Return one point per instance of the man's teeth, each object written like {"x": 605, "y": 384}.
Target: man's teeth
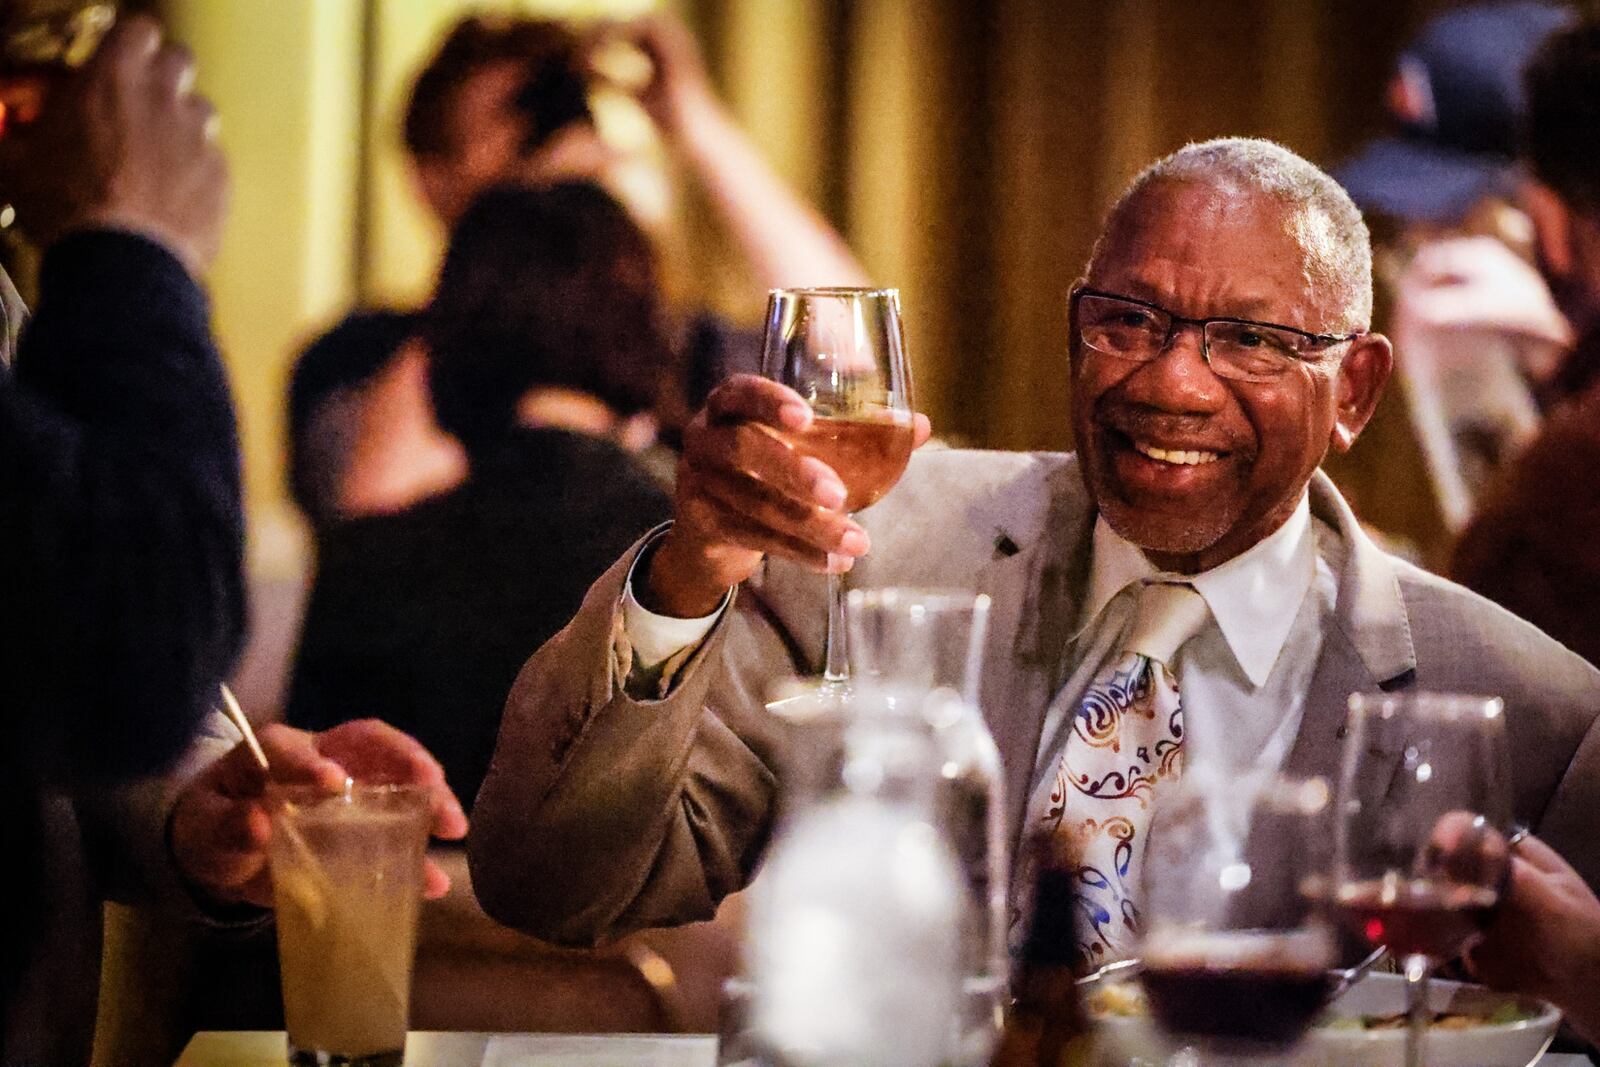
{"x": 1187, "y": 459}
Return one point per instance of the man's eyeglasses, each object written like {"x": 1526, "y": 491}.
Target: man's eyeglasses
{"x": 1138, "y": 331}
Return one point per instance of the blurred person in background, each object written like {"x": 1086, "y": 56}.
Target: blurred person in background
{"x": 121, "y": 539}
{"x": 1476, "y": 331}
{"x": 508, "y": 99}
{"x": 546, "y": 347}
{"x": 121, "y": 534}
{"x": 1534, "y": 543}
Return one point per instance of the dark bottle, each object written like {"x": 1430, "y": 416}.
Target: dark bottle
{"x": 1046, "y": 1014}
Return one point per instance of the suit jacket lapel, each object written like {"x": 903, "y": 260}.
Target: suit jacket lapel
{"x": 1037, "y": 591}
{"x": 1366, "y": 648}
{"x": 1370, "y": 610}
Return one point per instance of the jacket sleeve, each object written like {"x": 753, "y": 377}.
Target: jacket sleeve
{"x": 1568, "y": 822}
{"x": 121, "y": 532}
{"x": 602, "y": 814}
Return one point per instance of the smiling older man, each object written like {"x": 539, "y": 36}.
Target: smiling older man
{"x": 1219, "y": 348}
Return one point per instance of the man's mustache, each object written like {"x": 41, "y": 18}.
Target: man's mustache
{"x": 1190, "y": 431}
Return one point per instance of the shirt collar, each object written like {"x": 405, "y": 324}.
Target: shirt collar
{"x": 1254, "y": 597}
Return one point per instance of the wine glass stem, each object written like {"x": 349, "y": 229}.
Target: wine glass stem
{"x": 1418, "y": 1013}
{"x": 836, "y": 661}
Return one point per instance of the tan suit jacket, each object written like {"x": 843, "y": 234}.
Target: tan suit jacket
{"x": 602, "y": 814}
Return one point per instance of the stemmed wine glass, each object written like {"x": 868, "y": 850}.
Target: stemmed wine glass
{"x": 843, "y": 350}
{"x": 1235, "y": 957}
{"x": 1421, "y": 842}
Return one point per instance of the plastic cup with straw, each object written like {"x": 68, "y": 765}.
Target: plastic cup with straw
{"x": 346, "y": 872}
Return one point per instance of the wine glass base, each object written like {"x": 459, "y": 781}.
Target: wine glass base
{"x": 804, "y": 699}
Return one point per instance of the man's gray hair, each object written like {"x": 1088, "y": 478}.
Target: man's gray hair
{"x": 1322, "y": 217}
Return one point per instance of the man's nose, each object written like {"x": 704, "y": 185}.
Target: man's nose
{"x": 1179, "y": 379}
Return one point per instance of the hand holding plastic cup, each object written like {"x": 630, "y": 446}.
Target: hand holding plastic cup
{"x": 347, "y": 881}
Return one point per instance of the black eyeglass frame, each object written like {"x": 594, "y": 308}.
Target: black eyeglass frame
{"x": 1324, "y": 340}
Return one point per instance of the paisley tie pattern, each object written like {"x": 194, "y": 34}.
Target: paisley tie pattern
{"x": 1124, "y": 748}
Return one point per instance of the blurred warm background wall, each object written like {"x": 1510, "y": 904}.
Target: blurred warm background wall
{"x": 966, "y": 150}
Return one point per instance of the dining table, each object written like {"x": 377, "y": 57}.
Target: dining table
{"x": 437, "y": 1048}
{"x": 267, "y": 1048}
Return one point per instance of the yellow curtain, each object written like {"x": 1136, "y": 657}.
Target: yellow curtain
{"x": 968, "y": 150}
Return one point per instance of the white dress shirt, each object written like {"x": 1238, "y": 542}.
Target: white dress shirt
{"x": 657, "y": 638}
{"x": 1243, "y": 698}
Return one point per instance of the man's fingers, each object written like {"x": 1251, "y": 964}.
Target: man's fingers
{"x": 921, "y": 429}
{"x": 1540, "y": 856}
{"x": 735, "y": 525}
{"x": 373, "y": 751}
{"x": 756, "y": 451}
{"x": 131, "y": 42}
{"x": 736, "y": 504}
{"x": 435, "y": 883}
{"x": 294, "y": 759}
{"x": 172, "y": 73}
{"x": 746, "y": 396}
{"x": 243, "y": 829}
{"x": 237, "y": 773}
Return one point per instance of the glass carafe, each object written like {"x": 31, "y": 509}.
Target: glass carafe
{"x": 920, "y": 652}
{"x": 854, "y": 933}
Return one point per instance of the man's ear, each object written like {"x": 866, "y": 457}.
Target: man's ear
{"x": 1362, "y": 377}
{"x": 1072, "y": 324}
{"x": 1552, "y": 226}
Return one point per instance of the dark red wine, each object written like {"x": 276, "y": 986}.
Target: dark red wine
{"x": 1416, "y": 917}
{"x": 1250, "y": 989}
{"x": 1254, "y": 1004}
{"x": 869, "y": 455}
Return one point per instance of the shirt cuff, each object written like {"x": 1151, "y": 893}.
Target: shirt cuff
{"x": 657, "y": 638}
{"x": 650, "y": 649}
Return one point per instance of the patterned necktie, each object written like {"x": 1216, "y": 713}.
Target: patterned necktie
{"x": 1125, "y": 746}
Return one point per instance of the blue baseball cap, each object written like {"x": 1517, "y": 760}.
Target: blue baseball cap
{"x": 1458, "y": 96}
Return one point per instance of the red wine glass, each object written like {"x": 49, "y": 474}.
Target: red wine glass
{"x": 1421, "y": 851}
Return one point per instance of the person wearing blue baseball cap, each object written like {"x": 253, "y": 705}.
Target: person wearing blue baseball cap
{"x": 1477, "y": 334}
{"x": 1458, "y": 99}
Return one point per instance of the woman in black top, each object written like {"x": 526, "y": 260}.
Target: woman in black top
{"x": 546, "y": 351}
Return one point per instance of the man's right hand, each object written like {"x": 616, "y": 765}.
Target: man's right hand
{"x": 122, "y": 144}
{"x": 744, "y": 493}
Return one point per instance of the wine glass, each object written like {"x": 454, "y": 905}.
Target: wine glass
{"x": 842, "y": 349}
{"x": 1236, "y": 957}
{"x": 1421, "y": 850}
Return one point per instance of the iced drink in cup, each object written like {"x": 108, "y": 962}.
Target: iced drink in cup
{"x": 347, "y": 878}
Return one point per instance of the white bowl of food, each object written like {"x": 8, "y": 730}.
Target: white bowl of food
{"x": 1473, "y": 1027}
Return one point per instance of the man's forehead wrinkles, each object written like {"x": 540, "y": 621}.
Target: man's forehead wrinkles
{"x": 1195, "y": 292}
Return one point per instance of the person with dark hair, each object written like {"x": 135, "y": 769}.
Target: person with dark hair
{"x": 506, "y": 99}
{"x": 121, "y": 547}
{"x": 501, "y": 95}
{"x": 1563, "y": 84}
{"x": 121, "y": 532}
{"x": 545, "y": 345}
{"x": 1534, "y": 543}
